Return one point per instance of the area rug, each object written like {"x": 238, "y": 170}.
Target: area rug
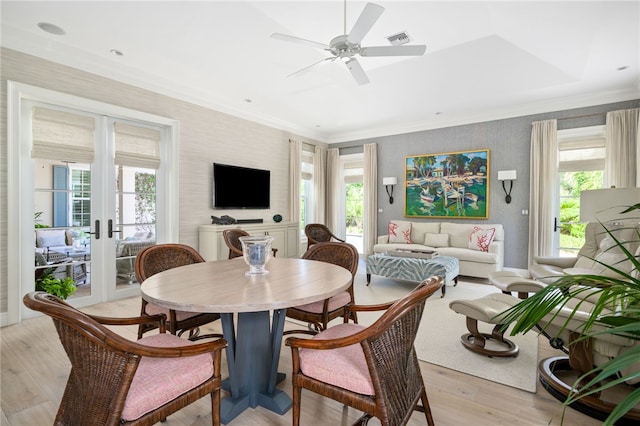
{"x": 438, "y": 340}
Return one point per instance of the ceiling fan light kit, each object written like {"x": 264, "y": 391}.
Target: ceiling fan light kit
{"x": 345, "y": 47}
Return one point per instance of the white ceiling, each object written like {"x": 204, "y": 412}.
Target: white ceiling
{"x": 484, "y": 60}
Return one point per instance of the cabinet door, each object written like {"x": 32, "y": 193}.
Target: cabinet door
{"x": 279, "y": 241}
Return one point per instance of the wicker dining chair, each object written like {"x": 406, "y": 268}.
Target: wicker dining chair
{"x": 372, "y": 369}
{"x": 116, "y": 381}
{"x": 232, "y": 240}
{"x": 318, "y": 314}
{"x": 158, "y": 258}
{"x": 318, "y": 233}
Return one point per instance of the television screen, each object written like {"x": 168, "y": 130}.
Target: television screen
{"x": 240, "y": 187}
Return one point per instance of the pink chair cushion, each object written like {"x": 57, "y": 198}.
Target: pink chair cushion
{"x": 343, "y": 367}
{"x": 160, "y": 380}
{"x": 335, "y": 302}
{"x": 153, "y": 309}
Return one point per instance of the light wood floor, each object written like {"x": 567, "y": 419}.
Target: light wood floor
{"x": 34, "y": 372}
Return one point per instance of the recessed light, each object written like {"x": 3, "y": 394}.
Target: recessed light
{"x": 439, "y": 112}
{"x": 622, "y": 68}
{"x": 117, "y": 52}
{"x": 51, "y": 28}
{"x": 247, "y": 100}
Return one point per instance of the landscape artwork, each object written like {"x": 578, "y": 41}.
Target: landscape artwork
{"x": 448, "y": 185}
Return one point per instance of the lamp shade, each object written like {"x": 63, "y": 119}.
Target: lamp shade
{"x": 605, "y": 205}
{"x": 390, "y": 181}
{"x": 507, "y": 175}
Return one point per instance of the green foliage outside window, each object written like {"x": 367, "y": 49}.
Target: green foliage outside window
{"x": 354, "y": 208}
{"x": 571, "y": 184}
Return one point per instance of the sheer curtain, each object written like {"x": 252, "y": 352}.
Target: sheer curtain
{"x": 622, "y": 149}
{"x": 544, "y": 188}
{"x": 370, "y": 213}
{"x": 295, "y": 174}
{"x": 333, "y": 188}
{"x": 319, "y": 182}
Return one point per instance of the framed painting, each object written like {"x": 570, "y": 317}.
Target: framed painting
{"x": 448, "y": 185}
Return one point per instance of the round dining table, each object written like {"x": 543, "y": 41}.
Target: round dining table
{"x": 260, "y": 302}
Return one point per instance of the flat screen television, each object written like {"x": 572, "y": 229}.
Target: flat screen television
{"x": 237, "y": 187}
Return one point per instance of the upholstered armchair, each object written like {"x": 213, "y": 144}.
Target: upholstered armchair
{"x": 599, "y": 249}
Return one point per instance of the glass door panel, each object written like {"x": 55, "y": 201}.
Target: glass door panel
{"x": 62, "y": 203}
{"x": 135, "y": 219}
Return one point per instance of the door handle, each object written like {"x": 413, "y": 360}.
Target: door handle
{"x": 97, "y": 232}
{"x": 556, "y": 225}
{"x": 110, "y": 230}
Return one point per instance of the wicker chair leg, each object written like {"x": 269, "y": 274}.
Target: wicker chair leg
{"x": 425, "y": 407}
{"x": 363, "y": 420}
{"x": 297, "y": 394}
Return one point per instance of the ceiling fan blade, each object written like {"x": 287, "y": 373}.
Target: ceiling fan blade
{"x": 299, "y": 40}
{"x": 415, "y": 50}
{"x": 307, "y": 68}
{"x": 357, "y": 72}
{"x": 365, "y": 21}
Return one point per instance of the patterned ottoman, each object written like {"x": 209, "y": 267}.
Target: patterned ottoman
{"x": 413, "y": 269}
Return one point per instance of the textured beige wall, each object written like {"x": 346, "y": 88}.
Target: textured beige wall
{"x": 205, "y": 136}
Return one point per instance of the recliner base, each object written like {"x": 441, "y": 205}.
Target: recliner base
{"x": 590, "y": 405}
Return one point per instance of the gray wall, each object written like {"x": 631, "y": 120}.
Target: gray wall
{"x": 508, "y": 141}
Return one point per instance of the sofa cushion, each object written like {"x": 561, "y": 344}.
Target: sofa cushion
{"x": 418, "y": 229}
{"x": 50, "y": 237}
{"x": 480, "y": 239}
{"x": 466, "y": 255}
{"x": 400, "y": 231}
{"x": 459, "y": 232}
{"x": 436, "y": 240}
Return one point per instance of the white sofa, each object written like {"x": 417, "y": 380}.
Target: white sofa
{"x": 452, "y": 239}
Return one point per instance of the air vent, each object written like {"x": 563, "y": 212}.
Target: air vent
{"x": 398, "y": 39}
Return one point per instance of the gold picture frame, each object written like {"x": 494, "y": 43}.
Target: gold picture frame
{"x": 447, "y": 185}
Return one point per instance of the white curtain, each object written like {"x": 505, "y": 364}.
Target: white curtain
{"x": 370, "y": 197}
{"x": 623, "y": 149}
{"x": 543, "y": 194}
{"x": 333, "y": 188}
{"x": 295, "y": 174}
{"x": 319, "y": 182}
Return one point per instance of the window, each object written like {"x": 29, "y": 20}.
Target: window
{"x": 306, "y": 189}
{"x": 581, "y": 166}
{"x": 80, "y": 197}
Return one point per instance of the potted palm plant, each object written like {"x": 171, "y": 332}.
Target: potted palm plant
{"x": 620, "y": 289}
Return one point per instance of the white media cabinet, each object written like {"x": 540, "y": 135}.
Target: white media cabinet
{"x": 286, "y": 238}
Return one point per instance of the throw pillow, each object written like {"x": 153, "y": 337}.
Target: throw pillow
{"x": 480, "y": 239}
{"x": 400, "y": 232}
{"x": 50, "y": 238}
{"x": 436, "y": 240}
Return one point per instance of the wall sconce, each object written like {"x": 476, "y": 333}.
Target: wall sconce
{"x": 390, "y": 182}
{"x": 509, "y": 175}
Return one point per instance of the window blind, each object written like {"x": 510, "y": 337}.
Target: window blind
{"x": 137, "y": 146}
{"x": 61, "y": 135}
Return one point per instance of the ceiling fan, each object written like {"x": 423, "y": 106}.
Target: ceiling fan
{"x": 347, "y": 46}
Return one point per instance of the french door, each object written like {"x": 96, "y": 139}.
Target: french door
{"x": 88, "y": 207}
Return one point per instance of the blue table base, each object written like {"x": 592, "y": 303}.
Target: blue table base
{"x": 253, "y": 353}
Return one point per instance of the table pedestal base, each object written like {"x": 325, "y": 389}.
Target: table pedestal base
{"x": 253, "y": 353}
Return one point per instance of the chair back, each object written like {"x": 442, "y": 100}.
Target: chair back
{"x": 318, "y": 233}
{"x": 341, "y": 254}
{"x": 160, "y": 257}
{"x": 391, "y": 357}
{"x": 232, "y": 240}
{"x": 101, "y": 370}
